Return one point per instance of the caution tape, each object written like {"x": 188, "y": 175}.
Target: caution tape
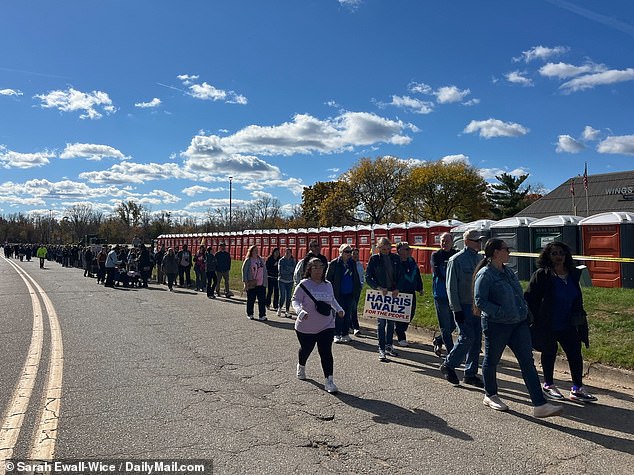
{"x": 625, "y": 260}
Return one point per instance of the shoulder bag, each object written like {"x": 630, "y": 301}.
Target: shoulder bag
{"x": 322, "y": 307}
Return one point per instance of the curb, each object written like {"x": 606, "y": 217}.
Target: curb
{"x": 594, "y": 372}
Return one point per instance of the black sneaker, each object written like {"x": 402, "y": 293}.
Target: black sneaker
{"x": 450, "y": 374}
{"x": 437, "y": 343}
{"x": 581, "y": 395}
{"x": 390, "y": 351}
{"x": 473, "y": 381}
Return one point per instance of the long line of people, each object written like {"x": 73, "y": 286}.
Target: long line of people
{"x": 478, "y": 295}
{"x": 475, "y": 294}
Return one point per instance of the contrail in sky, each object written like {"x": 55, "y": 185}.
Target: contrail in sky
{"x": 597, "y": 17}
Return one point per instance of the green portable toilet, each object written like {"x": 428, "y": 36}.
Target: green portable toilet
{"x": 515, "y": 232}
{"x": 563, "y": 228}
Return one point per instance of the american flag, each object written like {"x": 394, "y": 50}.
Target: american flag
{"x": 572, "y": 186}
{"x": 585, "y": 177}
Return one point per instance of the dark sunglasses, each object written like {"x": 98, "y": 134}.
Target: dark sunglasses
{"x": 347, "y": 252}
{"x": 557, "y": 253}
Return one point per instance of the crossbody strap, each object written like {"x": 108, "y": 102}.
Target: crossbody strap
{"x": 308, "y": 293}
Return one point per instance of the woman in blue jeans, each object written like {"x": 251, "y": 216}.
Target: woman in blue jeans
{"x": 498, "y": 297}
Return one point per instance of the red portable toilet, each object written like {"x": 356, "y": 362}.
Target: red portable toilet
{"x": 274, "y": 240}
{"x": 336, "y": 240}
{"x": 364, "y": 235}
{"x": 417, "y": 237}
{"x": 312, "y": 235}
{"x": 266, "y": 248}
{"x": 380, "y": 231}
{"x": 349, "y": 234}
{"x": 609, "y": 235}
{"x": 302, "y": 242}
{"x": 323, "y": 238}
{"x": 282, "y": 240}
{"x": 397, "y": 232}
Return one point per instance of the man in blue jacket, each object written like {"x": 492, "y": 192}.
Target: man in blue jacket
{"x": 439, "y": 261}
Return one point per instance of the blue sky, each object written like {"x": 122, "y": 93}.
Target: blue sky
{"x": 160, "y": 101}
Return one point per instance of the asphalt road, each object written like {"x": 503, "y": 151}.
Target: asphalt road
{"x": 153, "y": 374}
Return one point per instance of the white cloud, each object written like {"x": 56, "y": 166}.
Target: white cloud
{"x": 91, "y": 152}
{"x": 130, "y": 172}
{"x": 491, "y": 173}
{"x": 155, "y": 102}
{"x": 598, "y": 79}
{"x": 495, "y": 128}
{"x": 541, "y": 53}
{"x": 10, "y": 92}
{"x": 455, "y": 159}
{"x": 305, "y": 134}
{"x": 590, "y": 133}
{"x": 471, "y": 102}
{"x": 73, "y": 100}
{"x": 566, "y": 143}
{"x": 187, "y": 79}
{"x": 516, "y": 77}
{"x": 618, "y": 144}
{"x": 11, "y": 159}
{"x": 449, "y": 94}
{"x": 414, "y": 105}
{"x": 352, "y": 4}
{"x": 565, "y": 70}
{"x": 197, "y": 189}
{"x": 208, "y": 92}
{"x": 420, "y": 88}
{"x": 216, "y": 203}
{"x": 258, "y": 195}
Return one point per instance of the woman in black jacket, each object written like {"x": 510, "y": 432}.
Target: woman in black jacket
{"x": 556, "y": 303}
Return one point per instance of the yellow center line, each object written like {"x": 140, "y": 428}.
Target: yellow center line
{"x": 45, "y": 438}
{"x": 16, "y": 410}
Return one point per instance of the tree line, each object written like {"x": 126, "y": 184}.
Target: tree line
{"x": 373, "y": 191}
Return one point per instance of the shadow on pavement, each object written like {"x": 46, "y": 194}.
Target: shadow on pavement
{"x": 607, "y": 441}
{"x": 388, "y": 413}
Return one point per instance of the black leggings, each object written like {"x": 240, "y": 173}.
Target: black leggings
{"x": 324, "y": 347}
{"x": 570, "y": 343}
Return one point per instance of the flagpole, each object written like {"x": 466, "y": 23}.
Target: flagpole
{"x": 585, "y": 186}
{"x": 572, "y": 193}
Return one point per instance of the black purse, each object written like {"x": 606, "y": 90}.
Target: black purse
{"x": 322, "y": 307}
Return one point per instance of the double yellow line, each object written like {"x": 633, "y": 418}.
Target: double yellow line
{"x": 44, "y": 436}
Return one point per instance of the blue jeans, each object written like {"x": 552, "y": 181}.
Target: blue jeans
{"x": 517, "y": 337}
{"x": 286, "y": 292}
{"x": 342, "y": 325}
{"x": 354, "y": 317}
{"x": 401, "y": 327}
{"x": 385, "y": 337}
{"x": 445, "y": 322}
{"x": 468, "y": 344}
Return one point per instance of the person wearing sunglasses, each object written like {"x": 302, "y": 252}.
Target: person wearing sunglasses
{"x": 498, "y": 297}
{"x": 556, "y": 303}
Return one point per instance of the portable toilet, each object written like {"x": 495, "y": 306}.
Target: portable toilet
{"x": 349, "y": 234}
{"x": 265, "y": 247}
{"x": 380, "y": 231}
{"x": 397, "y": 232}
{"x": 563, "y": 228}
{"x": 481, "y": 225}
{"x": 336, "y": 240}
{"x": 417, "y": 237}
{"x": 291, "y": 239}
{"x": 302, "y": 242}
{"x": 364, "y": 235}
{"x": 609, "y": 235}
{"x": 516, "y": 233}
{"x": 282, "y": 240}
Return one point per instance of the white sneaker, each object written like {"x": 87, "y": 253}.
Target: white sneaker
{"x": 346, "y": 339}
{"x": 494, "y": 402}
{"x": 547, "y": 410}
{"x": 330, "y": 385}
{"x": 337, "y": 339}
{"x": 403, "y": 343}
{"x": 279, "y": 312}
{"x": 263, "y": 319}
{"x": 356, "y": 332}
{"x": 250, "y": 317}
{"x": 301, "y": 372}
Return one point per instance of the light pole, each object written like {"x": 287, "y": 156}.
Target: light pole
{"x": 230, "y": 193}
